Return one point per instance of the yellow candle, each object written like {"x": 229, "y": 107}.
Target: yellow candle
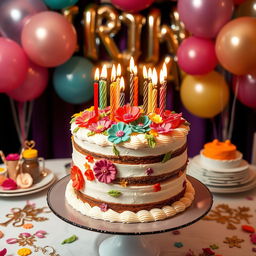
{"x": 154, "y": 91}
{"x": 113, "y": 93}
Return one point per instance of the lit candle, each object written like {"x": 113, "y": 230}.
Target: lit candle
{"x": 150, "y": 89}
{"x": 145, "y": 89}
{"x": 103, "y": 87}
{"x": 122, "y": 93}
{"x": 136, "y": 87}
{"x": 131, "y": 81}
{"x": 118, "y": 77}
{"x": 113, "y": 92}
{"x": 96, "y": 91}
{"x": 154, "y": 91}
{"x": 163, "y": 88}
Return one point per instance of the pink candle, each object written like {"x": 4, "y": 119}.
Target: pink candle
{"x": 96, "y": 91}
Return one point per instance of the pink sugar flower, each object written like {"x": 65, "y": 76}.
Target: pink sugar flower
{"x": 100, "y": 126}
{"x": 9, "y": 184}
{"x": 105, "y": 171}
{"x": 162, "y": 128}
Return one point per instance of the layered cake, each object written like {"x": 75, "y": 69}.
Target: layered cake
{"x": 222, "y": 168}
{"x": 129, "y": 166}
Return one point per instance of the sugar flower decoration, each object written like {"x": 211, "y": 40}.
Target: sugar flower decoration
{"x": 3, "y": 252}
{"x": 141, "y": 125}
{"x": 77, "y": 178}
{"x": 155, "y": 118}
{"x": 9, "y": 184}
{"x": 127, "y": 113}
{"x": 118, "y": 133}
{"x": 24, "y": 252}
{"x": 149, "y": 171}
{"x": 100, "y": 126}
{"x": 105, "y": 171}
{"x": 87, "y": 118}
{"x": 157, "y": 187}
{"x": 12, "y": 157}
{"x": 89, "y": 175}
{"x": 103, "y": 207}
{"x": 162, "y": 128}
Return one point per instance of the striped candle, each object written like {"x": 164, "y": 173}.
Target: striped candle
{"x": 154, "y": 91}
{"x": 145, "y": 89}
{"x": 103, "y": 88}
{"x": 131, "y": 81}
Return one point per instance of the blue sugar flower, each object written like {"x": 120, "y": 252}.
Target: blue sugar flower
{"x": 118, "y": 133}
{"x": 141, "y": 125}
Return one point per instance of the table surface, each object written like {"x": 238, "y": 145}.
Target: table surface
{"x": 202, "y": 234}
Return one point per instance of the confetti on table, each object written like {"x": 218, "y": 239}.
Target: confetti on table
{"x": 225, "y": 215}
{"x": 253, "y": 238}
{"x": 233, "y": 241}
{"x": 190, "y": 253}
{"x": 3, "y": 252}
{"x": 70, "y": 240}
{"x": 28, "y": 226}
{"x": 249, "y": 198}
{"x": 176, "y": 232}
{"x": 24, "y": 252}
{"x": 178, "y": 244}
{"x": 214, "y": 246}
{"x": 248, "y": 228}
{"x": 1, "y": 234}
{"x": 254, "y": 249}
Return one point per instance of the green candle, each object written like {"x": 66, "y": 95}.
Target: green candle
{"x": 103, "y": 88}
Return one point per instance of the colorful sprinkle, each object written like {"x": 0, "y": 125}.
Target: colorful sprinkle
{"x": 24, "y": 252}
{"x": 208, "y": 251}
{"x": 3, "y": 252}
{"x": 28, "y": 226}
{"x": 90, "y": 159}
{"x": 157, "y": 187}
{"x": 178, "y": 244}
{"x": 25, "y": 234}
{"x": 103, "y": 207}
{"x": 40, "y": 234}
{"x": 11, "y": 241}
{"x": 253, "y": 238}
{"x": 149, "y": 171}
{"x": 89, "y": 175}
{"x": 248, "y": 228}
{"x": 70, "y": 240}
{"x": 249, "y": 198}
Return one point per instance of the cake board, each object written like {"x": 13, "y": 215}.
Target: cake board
{"x": 127, "y": 239}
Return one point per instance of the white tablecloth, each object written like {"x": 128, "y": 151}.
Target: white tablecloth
{"x": 195, "y": 237}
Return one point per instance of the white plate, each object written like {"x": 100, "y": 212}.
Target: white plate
{"x": 34, "y": 188}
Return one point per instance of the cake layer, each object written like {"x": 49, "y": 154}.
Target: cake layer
{"x": 129, "y": 216}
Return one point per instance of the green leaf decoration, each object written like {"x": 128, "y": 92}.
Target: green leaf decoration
{"x": 115, "y": 150}
{"x": 151, "y": 140}
{"x": 70, "y": 240}
{"x": 105, "y": 133}
{"x": 167, "y": 157}
{"x": 91, "y": 133}
{"x": 72, "y": 120}
{"x": 173, "y": 112}
{"x": 76, "y": 129}
{"x": 114, "y": 193}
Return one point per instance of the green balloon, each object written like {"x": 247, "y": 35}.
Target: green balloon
{"x": 73, "y": 81}
{"x": 59, "y": 4}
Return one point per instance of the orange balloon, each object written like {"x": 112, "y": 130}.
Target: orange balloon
{"x": 205, "y": 96}
{"x": 236, "y": 46}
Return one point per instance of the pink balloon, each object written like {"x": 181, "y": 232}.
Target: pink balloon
{"x": 49, "y": 39}
{"x": 13, "y": 65}
{"x": 246, "y": 86}
{"x": 204, "y": 18}
{"x": 34, "y": 85}
{"x": 131, "y": 5}
{"x": 196, "y": 56}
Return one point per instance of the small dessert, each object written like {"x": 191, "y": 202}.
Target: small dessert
{"x": 24, "y": 180}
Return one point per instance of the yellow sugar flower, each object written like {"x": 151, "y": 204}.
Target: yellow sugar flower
{"x": 155, "y": 118}
{"x": 77, "y": 114}
{"x": 90, "y": 109}
{"x": 153, "y": 132}
{"x": 24, "y": 252}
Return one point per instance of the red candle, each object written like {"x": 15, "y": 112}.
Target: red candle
{"x": 136, "y": 87}
{"x": 96, "y": 91}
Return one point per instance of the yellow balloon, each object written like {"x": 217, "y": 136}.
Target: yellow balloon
{"x": 205, "y": 96}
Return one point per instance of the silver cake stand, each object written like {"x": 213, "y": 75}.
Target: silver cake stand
{"x": 128, "y": 239}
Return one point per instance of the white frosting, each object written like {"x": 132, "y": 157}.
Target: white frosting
{"x": 128, "y": 216}
{"x": 133, "y": 194}
{"x": 138, "y": 170}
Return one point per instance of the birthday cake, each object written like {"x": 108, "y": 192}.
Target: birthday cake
{"x": 129, "y": 166}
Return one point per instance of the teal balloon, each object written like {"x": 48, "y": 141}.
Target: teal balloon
{"x": 73, "y": 81}
{"x": 59, "y": 4}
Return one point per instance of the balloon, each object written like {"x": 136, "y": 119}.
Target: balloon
{"x": 246, "y": 9}
{"x": 196, "y": 56}
{"x": 246, "y": 89}
{"x": 73, "y": 80}
{"x": 204, "y": 18}
{"x": 34, "y": 85}
{"x": 15, "y": 13}
{"x": 236, "y": 46}
{"x": 13, "y": 65}
{"x": 204, "y": 96}
{"x": 60, "y": 4}
{"x": 49, "y": 39}
{"x": 132, "y": 5}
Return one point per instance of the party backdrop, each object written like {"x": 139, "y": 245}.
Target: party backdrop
{"x": 49, "y": 50}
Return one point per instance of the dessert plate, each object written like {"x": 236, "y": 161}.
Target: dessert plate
{"x": 44, "y": 183}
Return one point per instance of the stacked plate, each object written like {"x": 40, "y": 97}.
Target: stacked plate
{"x": 46, "y": 180}
{"x": 221, "y": 180}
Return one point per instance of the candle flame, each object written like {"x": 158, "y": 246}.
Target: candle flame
{"x": 161, "y": 76}
{"x": 97, "y": 74}
{"x": 118, "y": 72}
{"x": 122, "y": 84}
{"x": 113, "y": 73}
{"x": 150, "y": 73}
{"x": 104, "y": 72}
{"x": 131, "y": 64}
{"x": 135, "y": 70}
{"x": 145, "y": 73}
{"x": 164, "y": 71}
{"x": 154, "y": 77}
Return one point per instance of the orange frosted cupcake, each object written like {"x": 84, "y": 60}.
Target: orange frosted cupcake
{"x": 221, "y": 154}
